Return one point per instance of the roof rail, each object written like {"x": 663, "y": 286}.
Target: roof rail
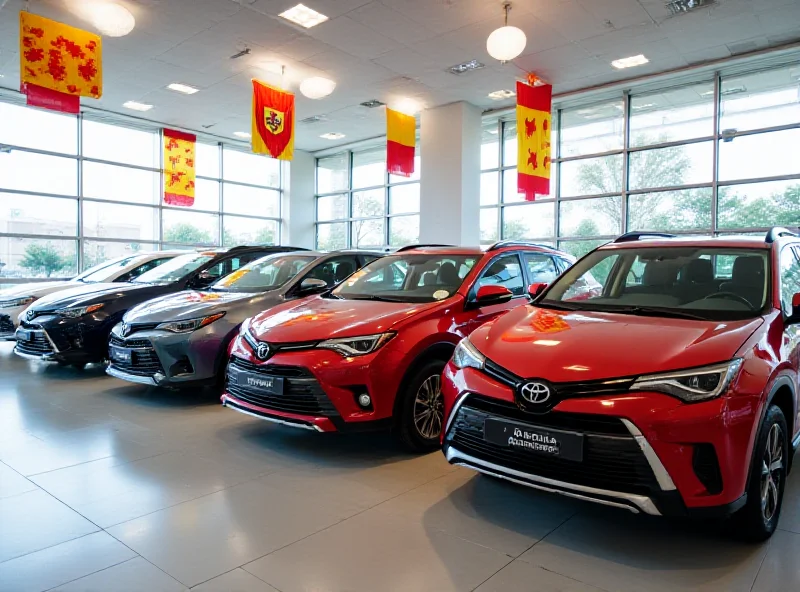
{"x": 517, "y": 243}
{"x": 411, "y": 247}
{"x": 636, "y": 235}
{"x": 776, "y": 232}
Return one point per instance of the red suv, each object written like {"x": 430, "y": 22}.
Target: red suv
{"x": 657, "y": 374}
{"x": 370, "y": 353}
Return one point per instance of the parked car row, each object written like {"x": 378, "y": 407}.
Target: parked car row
{"x": 656, "y": 374}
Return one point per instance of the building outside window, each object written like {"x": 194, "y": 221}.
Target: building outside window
{"x": 705, "y": 157}
{"x": 359, "y": 205}
{"x": 76, "y": 191}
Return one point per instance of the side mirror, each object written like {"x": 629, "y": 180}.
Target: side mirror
{"x": 794, "y": 317}
{"x": 488, "y": 295}
{"x": 535, "y": 289}
{"x": 202, "y": 280}
{"x": 312, "y": 286}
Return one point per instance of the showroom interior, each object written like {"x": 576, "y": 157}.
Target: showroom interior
{"x": 677, "y": 121}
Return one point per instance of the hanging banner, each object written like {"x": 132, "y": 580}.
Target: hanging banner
{"x": 58, "y": 63}
{"x": 273, "y": 121}
{"x": 179, "y": 170}
{"x": 533, "y": 139}
{"x": 401, "y": 139}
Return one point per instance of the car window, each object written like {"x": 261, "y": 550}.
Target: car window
{"x": 267, "y": 273}
{"x": 101, "y": 272}
{"x": 334, "y": 271}
{"x": 175, "y": 269}
{"x": 790, "y": 277}
{"x": 504, "y": 271}
{"x": 541, "y": 268}
{"x": 137, "y": 271}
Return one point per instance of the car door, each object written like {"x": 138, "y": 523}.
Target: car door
{"x": 790, "y": 285}
{"x": 505, "y": 270}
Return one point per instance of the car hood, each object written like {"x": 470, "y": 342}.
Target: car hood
{"x": 88, "y": 294}
{"x": 319, "y": 318}
{"x": 191, "y": 304}
{"x": 34, "y": 289}
{"x": 562, "y": 346}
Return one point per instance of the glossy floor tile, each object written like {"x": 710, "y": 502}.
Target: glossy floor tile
{"x": 109, "y": 487}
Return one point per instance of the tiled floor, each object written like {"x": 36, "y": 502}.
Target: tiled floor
{"x": 106, "y": 486}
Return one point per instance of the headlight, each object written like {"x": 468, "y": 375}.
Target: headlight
{"x": 697, "y": 384}
{"x": 357, "y": 346}
{"x": 17, "y": 302}
{"x": 189, "y": 325}
{"x": 74, "y": 313}
{"x": 466, "y": 356}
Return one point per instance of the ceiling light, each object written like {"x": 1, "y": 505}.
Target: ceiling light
{"x": 466, "y": 67}
{"x": 679, "y": 6}
{"x": 506, "y": 43}
{"x": 304, "y": 16}
{"x": 332, "y": 136}
{"x": 493, "y": 131}
{"x": 136, "y": 106}
{"x": 183, "y": 88}
{"x": 112, "y": 20}
{"x": 317, "y": 87}
{"x": 734, "y": 90}
{"x": 630, "y": 62}
{"x": 406, "y": 105}
{"x": 645, "y": 106}
{"x": 499, "y": 95}
{"x": 372, "y": 103}
{"x": 244, "y": 135}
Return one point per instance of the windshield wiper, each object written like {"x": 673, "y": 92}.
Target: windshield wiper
{"x": 659, "y": 312}
{"x": 556, "y": 305}
{"x": 375, "y": 298}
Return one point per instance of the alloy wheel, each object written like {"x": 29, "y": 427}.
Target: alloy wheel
{"x": 771, "y": 472}
{"x": 429, "y": 408}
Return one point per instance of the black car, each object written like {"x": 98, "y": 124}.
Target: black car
{"x": 72, "y": 326}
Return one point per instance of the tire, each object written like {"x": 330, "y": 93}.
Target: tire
{"x": 418, "y": 431}
{"x": 758, "y": 519}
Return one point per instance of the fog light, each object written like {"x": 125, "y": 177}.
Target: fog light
{"x": 364, "y": 400}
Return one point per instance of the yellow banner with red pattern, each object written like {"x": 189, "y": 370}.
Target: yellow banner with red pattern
{"x": 179, "y": 169}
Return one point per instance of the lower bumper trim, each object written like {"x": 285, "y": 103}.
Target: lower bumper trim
{"x": 227, "y": 402}
{"x": 628, "y": 501}
{"x": 117, "y": 373}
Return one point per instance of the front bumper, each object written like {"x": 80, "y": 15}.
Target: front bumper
{"x": 641, "y": 449}
{"x": 72, "y": 341}
{"x": 162, "y": 358}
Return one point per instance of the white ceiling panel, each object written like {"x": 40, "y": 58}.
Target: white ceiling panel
{"x": 388, "y": 49}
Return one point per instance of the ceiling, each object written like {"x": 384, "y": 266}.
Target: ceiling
{"x": 390, "y": 49}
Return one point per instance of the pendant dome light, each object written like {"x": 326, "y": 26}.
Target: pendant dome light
{"x": 506, "y": 43}
{"x": 317, "y": 87}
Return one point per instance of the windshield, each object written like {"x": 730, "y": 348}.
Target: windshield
{"x": 102, "y": 271}
{"x": 174, "y": 269}
{"x": 692, "y": 282}
{"x": 408, "y": 278}
{"x": 263, "y": 274}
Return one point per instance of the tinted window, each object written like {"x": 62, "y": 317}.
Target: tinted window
{"x": 334, "y": 271}
{"x": 541, "y": 267}
{"x": 504, "y": 271}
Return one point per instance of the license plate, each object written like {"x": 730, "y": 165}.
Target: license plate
{"x": 258, "y": 383}
{"x": 521, "y": 436}
{"x": 23, "y": 335}
{"x": 120, "y": 354}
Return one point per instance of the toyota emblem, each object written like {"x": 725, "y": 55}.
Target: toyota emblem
{"x": 535, "y": 392}
{"x": 262, "y": 351}
{"x": 30, "y": 314}
{"x": 126, "y": 328}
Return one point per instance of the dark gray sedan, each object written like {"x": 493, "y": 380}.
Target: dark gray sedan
{"x": 182, "y": 339}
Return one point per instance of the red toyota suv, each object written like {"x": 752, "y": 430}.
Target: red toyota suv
{"x": 665, "y": 384}
{"x": 370, "y": 353}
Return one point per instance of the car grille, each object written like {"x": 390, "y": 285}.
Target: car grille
{"x": 6, "y": 324}
{"x": 38, "y": 346}
{"x": 144, "y": 361}
{"x": 611, "y": 460}
{"x": 302, "y": 393}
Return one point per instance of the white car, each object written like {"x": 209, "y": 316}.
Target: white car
{"x": 15, "y": 299}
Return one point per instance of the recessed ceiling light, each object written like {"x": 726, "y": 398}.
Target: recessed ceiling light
{"x": 182, "y": 88}
{"x": 734, "y": 90}
{"x": 372, "y": 103}
{"x": 466, "y": 67}
{"x": 304, "y": 16}
{"x": 645, "y": 106}
{"x": 332, "y": 136}
{"x": 680, "y": 6}
{"x": 630, "y": 62}
{"x": 136, "y": 106}
{"x": 242, "y": 135}
{"x": 499, "y": 95}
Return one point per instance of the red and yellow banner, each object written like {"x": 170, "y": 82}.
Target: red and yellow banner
{"x": 401, "y": 139}
{"x": 60, "y": 59}
{"x": 533, "y": 139}
{"x": 179, "y": 169}
{"x": 273, "y": 121}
